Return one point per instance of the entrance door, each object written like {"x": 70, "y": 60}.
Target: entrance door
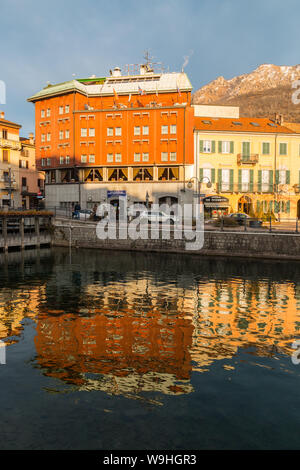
{"x": 244, "y": 204}
{"x": 298, "y": 209}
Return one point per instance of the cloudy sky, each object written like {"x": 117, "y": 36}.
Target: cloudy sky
{"x": 52, "y": 40}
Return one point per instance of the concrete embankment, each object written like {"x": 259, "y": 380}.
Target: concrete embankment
{"x": 258, "y": 244}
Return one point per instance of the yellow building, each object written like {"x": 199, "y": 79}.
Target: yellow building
{"x": 252, "y": 163}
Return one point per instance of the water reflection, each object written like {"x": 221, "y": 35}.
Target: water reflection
{"x": 127, "y": 324}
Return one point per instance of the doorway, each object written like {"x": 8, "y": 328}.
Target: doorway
{"x": 244, "y": 205}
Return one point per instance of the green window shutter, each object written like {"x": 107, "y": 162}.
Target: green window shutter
{"x": 266, "y": 148}
{"x": 277, "y": 177}
{"x": 231, "y": 179}
{"x": 246, "y": 149}
{"x": 259, "y": 180}
{"x": 271, "y": 206}
{"x": 220, "y": 146}
{"x": 288, "y": 207}
{"x": 231, "y": 147}
{"x": 213, "y": 146}
{"x": 288, "y": 177}
{"x": 201, "y": 146}
{"x": 220, "y": 180}
{"x": 271, "y": 179}
{"x": 240, "y": 181}
{"x": 282, "y": 148}
{"x": 201, "y": 173}
{"x": 251, "y": 180}
{"x": 213, "y": 175}
{"x": 276, "y": 207}
{"x": 257, "y": 206}
{"x": 282, "y": 206}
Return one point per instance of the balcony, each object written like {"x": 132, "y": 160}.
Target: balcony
{"x": 244, "y": 188}
{"x": 11, "y": 144}
{"x": 4, "y": 182}
{"x": 247, "y": 159}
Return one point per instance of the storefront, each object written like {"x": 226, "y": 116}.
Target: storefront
{"x": 215, "y": 206}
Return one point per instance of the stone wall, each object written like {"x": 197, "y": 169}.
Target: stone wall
{"x": 237, "y": 244}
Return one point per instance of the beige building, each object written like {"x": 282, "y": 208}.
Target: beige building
{"x": 21, "y": 185}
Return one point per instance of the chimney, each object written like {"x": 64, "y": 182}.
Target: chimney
{"x": 116, "y": 72}
{"x": 31, "y": 137}
{"x": 2, "y": 114}
{"x": 281, "y": 119}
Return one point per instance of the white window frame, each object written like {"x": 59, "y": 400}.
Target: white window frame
{"x": 173, "y": 129}
{"x": 118, "y": 157}
{"x": 207, "y": 146}
{"x": 137, "y": 157}
{"x": 145, "y": 130}
{"x": 226, "y": 146}
{"x": 83, "y": 159}
{"x": 164, "y": 130}
{"x": 91, "y": 132}
{"x": 137, "y": 130}
{"x": 110, "y": 158}
{"x": 110, "y": 131}
{"x": 164, "y": 156}
{"x": 118, "y": 131}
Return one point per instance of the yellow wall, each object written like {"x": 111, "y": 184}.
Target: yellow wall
{"x": 286, "y": 193}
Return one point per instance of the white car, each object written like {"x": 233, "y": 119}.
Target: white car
{"x": 85, "y": 214}
{"x": 160, "y": 217}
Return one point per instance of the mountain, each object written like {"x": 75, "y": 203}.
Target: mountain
{"x": 261, "y": 93}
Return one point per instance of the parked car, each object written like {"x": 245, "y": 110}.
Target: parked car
{"x": 240, "y": 217}
{"x": 160, "y": 217}
{"x": 84, "y": 214}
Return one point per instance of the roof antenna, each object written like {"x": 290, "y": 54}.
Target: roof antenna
{"x": 186, "y": 60}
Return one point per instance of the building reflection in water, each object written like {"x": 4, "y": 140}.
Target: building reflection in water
{"x": 124, "y": 330}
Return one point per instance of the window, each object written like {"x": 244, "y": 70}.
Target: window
{"x": 67, "y": 159}
{"x": 164, "y": 130}
{"x": 91, "y": 132}
{"x": 48, "y": 112}
{"x": 282, "y": 149}
{"x": 225, "y": 147}
{"x": 4, "y": 134}
{"x": 48, "y": 137}
{"x": 173, "y": 129}
{"x": 24, "y": 182}
{"x": 282, "y": 177}
{"x": 118, "y": 131}
{"x": 22, "y": 164}
{"x": 61, "y": 160}
{"x": 83, "y": 158}
{"x": 43, "y": 138}
{"x": 265, "y": 180}
{"x": 266, "y": 148}
{"x": 110, "y": 157}
{"x": 137, "y": 157}
{"x": 83, "y": 132}
{"x": 168, "y": 173}
{"x": 5, "y": 155}
{"x": 61, "y": 110}
{"x": 110, "y": 131}
{"x": 225, "y": 179}
{"x": 67, "y": 134}
{"x": 246, "y": 149}
{"x": 117, "y": 174}
{"x": 61, "y": 134}
{"x": 42, "y": 113}
{"x": 67, "y": 109}
{"x": 207, "y": 146}
{"x": 173, "y": 156}
{"x": 118, "y": 157}
{"x": 146, "y": 157}
{"x": 137, "y": 130}
{"x": 48, "y": 161}
{"x": 206, "y": 175}
{"x": 145, "y": 130}
{"x": 245, "y": 177}
{"x": 164, "y": 156}
{"x": 92, "y": 158}
{"x": 142, "y": 174}
{"x": 43, "y": 162}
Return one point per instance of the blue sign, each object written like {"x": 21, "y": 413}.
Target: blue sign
{"x": 116, "y": 194}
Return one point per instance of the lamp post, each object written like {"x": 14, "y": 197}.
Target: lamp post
{"x": 199, "y": 181}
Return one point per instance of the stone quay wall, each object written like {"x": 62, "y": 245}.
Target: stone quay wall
{"x": 216, "y": 243}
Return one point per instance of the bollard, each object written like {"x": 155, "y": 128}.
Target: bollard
{"x": 245, "y": 224}
{"x": 222, "y": 224}
{"x": 297, "y": 225}
{"x": 270, "y": 224}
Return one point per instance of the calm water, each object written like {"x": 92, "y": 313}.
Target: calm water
{"x": 148, "y": 351}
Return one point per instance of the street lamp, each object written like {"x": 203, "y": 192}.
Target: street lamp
{"x": 199, "y": 181}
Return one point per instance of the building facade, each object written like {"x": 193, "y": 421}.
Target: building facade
{"x": 252, "y": 163}
{"x": 98, "y": 138}
{"x": 21, "y": 185}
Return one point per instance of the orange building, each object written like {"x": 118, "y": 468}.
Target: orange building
{"x": 130, "y": 133}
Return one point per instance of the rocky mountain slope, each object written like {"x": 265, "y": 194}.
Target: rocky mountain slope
{"x": 261, "y": 93}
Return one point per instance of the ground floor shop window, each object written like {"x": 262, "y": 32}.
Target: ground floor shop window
{"x": 118, "y": 174}
{"x": 168, "y": 174}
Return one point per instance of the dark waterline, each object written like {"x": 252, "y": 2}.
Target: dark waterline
{"x": 148, "y": 351}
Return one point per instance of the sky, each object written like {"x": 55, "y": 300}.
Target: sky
{"x": 57, "y": 40}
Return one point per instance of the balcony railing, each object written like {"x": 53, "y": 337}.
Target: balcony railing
{"x": 247, "y": 159}
{"x": 244, "y": 188}
{"x": 12, "y": 144}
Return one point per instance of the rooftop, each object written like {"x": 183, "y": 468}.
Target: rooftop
{"x": 256, "y": 125}
{"x": 148, "y": 82}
